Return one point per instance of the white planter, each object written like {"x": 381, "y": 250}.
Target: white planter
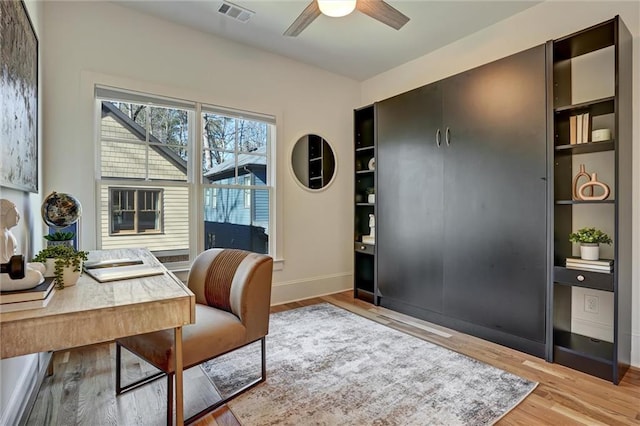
{"x": 69, "y": 276}
{"x": 590, "y": 251}
{"x": 371, "y": 198}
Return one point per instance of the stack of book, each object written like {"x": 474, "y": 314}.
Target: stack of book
{"x": 600, "y": 265}
{"x": 31, "y": 298}
{"x": 579, "y": 126}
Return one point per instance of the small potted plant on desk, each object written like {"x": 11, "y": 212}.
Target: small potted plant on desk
{"x": 62, "y": 262}
{"x": 60, "y": 239}
{"x": 590, "y": 240}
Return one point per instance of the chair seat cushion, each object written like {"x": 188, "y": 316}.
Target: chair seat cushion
{"x": 214, "y": 332}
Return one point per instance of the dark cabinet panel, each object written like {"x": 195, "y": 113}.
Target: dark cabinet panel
{"x": 495, "y": 252}
{"x": 462, "y": 201}
{"x": 409, "y": 202}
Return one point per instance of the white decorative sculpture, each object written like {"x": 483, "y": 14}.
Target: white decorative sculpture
{"x": 371, "y": 238}
{"x": 9, "y": 217}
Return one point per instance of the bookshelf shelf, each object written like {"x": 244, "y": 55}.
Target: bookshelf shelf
{"x": 596, "y": 107}
{"x": 365, "y": 148}
{"x": 575, "y": 202}
{"x": 585, "y": 148}
{"x": 588, "y": 348}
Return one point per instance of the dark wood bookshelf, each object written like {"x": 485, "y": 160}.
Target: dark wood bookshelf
{"x": 364, "y": 265}
{"x": 607, "y": 360}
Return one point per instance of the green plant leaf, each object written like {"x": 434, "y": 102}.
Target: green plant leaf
{"x": 589, "y": 235}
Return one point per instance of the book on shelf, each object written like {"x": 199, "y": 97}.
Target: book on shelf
{"x": 28, "y": 304}
{"x": 572, "y": 129}
{"x": 38, "y": 292}
{"x": 585, "y": 127}
{"x": 601, "y": 269}
{"x": 599, "y": 262}
{"x": 579, "y": 128}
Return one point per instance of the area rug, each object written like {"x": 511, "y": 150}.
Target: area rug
{"x": 328, "y": 366}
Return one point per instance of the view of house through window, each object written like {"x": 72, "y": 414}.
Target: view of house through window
{"x": 135, "y": 210}
{"x": 235, "y": 176}
{"x": 145, "y": 175}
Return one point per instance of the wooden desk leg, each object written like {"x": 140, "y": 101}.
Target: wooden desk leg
{"x": 178, "y": 369}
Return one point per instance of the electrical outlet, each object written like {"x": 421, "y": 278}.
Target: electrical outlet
{"x": 591, "y": 303}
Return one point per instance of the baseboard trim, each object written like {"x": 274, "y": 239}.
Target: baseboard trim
{"x": 594, "y": 329}
{"x": 307, "y": 288}
{"x": 635, "y": 350}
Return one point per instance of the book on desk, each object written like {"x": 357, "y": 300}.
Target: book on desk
{"x": 121, "y": 269}
{"x": 31, "y": 298}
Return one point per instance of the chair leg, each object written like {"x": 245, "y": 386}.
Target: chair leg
{"x": 118, "y": 366}
{"x": 245, "y": 388}
{"x": 169, "y": 399}
{"x": 126, "y": 388}
{"x": 264, "y": 359}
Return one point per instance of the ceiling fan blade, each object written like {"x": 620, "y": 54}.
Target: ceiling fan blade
{"x": 383, "y": 12}
{"x": 308, "y": 15}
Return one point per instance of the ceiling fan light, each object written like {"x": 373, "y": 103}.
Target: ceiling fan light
{"x": 336, "y": 8}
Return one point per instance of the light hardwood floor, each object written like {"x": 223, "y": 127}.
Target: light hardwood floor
{"x": 81, "y": 391}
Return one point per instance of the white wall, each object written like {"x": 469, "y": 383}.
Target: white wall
{"x": 534, "y": 26}
{"x": 89, "y": 42}
{"x": 17, "y": 375}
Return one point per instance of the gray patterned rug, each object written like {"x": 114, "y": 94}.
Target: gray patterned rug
{"x": 328, "y": 366}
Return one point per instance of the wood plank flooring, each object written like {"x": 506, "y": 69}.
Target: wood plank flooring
{"x": 81, "y": 391}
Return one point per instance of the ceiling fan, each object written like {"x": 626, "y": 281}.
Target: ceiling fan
{"x": 376, "y": 9}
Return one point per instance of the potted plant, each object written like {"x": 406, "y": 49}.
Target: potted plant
{"x": 590, "y": 240}
{"x": 60, "y": 239}
{"x": 62, "y": 262}
{"x": 371, "y": 195}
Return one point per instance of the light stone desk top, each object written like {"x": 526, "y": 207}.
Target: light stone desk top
{"x": 93, "y": 312}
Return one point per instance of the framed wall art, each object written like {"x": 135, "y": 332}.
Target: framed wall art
{"x": 18, "y": 98}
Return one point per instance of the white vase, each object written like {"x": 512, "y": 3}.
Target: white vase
{"x": 590, "y": 251}
{"x": 69, "y": 276}
{"x": 371, "y": 198}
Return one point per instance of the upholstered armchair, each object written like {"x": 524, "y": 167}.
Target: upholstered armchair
{"x": 233, "y": 295}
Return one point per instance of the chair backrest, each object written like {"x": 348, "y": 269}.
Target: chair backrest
{"x": 236, "y": 281}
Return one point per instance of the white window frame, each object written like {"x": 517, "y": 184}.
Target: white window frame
{"x": 110, "y": 91}
{"x": 247, "y": 192}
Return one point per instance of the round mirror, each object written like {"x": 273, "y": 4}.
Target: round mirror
{"x": 313, "y": 162}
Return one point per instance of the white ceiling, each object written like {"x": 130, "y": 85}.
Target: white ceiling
{"x": 355, "y": 46}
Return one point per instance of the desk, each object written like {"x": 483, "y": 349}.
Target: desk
{"x": 92, "y": 312}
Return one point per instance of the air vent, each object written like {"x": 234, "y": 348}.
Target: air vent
{"x": 235, "y": 12}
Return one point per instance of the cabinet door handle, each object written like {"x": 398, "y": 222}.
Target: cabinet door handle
{"x": 438, "y": 138}
{"x": 580, "y": 278}
{"x": 447, "y": 136}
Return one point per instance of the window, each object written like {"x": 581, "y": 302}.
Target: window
{"x": 135, "y": 211}
{"x": 146, "y": 175}
{"x": 235, "y": 163}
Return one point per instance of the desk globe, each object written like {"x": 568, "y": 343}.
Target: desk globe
{"x": 60, "y": 210}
